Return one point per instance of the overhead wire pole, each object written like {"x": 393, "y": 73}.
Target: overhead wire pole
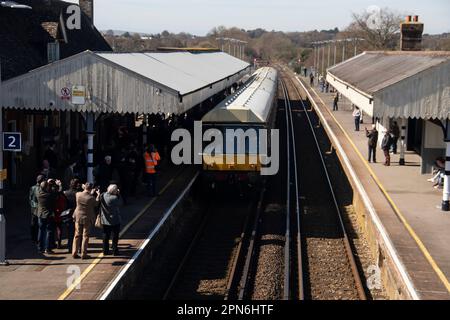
{"x": 220, "y": 42}
{"x": 343, "y": 49}
{"x": 323, "y": 60}
{"x": 328, "y": 57}
{"x": 314, "y": 56}
{"x": 334, "y": 55}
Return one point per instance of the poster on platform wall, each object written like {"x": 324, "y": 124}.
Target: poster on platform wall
{"x": 78, "y": 95}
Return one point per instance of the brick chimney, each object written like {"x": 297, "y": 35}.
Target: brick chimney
{"x": 87, "y": 6}
{"x": 411, "y": 34}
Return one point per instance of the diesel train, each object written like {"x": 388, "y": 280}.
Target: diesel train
{"x": 238, "y": 133}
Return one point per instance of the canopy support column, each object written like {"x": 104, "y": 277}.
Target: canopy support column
{"x": 90, "y": 132}
{"x": 446, "y": 191}
{"x": 402, "y": 142}
{"x": 144, "y": 130}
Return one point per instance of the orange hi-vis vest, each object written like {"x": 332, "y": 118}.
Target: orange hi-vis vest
{"x": 151, "y": 161}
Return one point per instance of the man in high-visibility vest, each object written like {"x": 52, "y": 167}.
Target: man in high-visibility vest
{"x": 151, "y": 157}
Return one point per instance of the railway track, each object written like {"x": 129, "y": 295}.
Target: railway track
{"x": 209, "y": 267}
{"x": 272, "y": 269}
{"x": 325, "y": 259}
{"x": 288, "y": 242}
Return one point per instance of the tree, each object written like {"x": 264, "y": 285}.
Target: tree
{"x": 379, "y": 27}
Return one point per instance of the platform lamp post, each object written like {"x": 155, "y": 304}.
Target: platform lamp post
{"x": 84, "y": 96}
{"x": 90, "y": 132}
{"x": 446, "y": 191}
{"x": 402, "y": 143}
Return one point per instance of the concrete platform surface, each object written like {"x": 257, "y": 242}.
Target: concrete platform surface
{"x": 33, "y": 276}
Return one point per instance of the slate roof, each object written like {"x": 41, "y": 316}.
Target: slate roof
{"x": 24, "y": 35}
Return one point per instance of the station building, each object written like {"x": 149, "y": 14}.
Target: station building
{"x": 41, "y": 83}
{"x": 30, "y": 38}
{"x": 410, "y": 87}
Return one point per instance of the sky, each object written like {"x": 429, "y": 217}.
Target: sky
{"x": 200, "y": 16}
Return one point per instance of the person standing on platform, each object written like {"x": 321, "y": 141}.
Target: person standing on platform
{"x": 125, "y": 175}
{"x": 321, "y": 83}
{"x": 67, "y": 216}
{"x": 51, "y": 156}
{"x": 46, "y": 197}
{"x": 372, "y": 143}
{"x": 151, "y": 157}
{"x": 134, "y": 163}
{"x": 311, "y": 79}
{"x": 104, "y": 173}
{"x": 335, "y": 102}
{"x": 87, "y": 202}
{"x": 395, "y": 130}
{"x": 47, "y": 171}
{"x": 110, "y": 203}
{"x": 357, "y": 116}
{"x": 33, "y": 201}
{"x": 386, "y": 146}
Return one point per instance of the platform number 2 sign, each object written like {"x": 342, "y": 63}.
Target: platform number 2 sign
{"x": 12, "y": 141}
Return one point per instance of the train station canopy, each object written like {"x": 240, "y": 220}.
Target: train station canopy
{"x": 396, "y": 84}
{"x": 169, "y": 82}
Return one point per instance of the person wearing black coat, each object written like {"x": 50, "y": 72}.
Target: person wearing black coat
{"x": 104, "y": 173}
{"x": 372, "y": 143}
{"x": 46, "y": 198}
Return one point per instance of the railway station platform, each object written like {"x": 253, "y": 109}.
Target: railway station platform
{"x": 33, "y": 276}
{"x": 406, "y": 203}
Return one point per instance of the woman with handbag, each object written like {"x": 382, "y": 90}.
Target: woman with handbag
{"x": 110, "y": 203}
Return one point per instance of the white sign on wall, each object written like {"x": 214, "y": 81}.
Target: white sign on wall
{"x": 78, "y": 95}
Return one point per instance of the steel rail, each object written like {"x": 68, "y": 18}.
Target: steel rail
{"x": 300, "y": 284}
{"x": 348, "y": 248}
{"x": 250, "y": 259}
{"x": 287, "y": 247}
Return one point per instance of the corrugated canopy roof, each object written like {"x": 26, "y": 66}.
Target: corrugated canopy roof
{"x": 125, "y": 82}
{"x": 184, "y": 72}
{"x": 373, "y": 71}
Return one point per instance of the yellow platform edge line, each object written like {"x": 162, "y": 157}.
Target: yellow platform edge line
{"x": 408, "y": 227}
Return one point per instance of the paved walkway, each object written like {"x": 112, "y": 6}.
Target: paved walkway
{"x": 422, "y": 237}
{"x": 32, "y": 275}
